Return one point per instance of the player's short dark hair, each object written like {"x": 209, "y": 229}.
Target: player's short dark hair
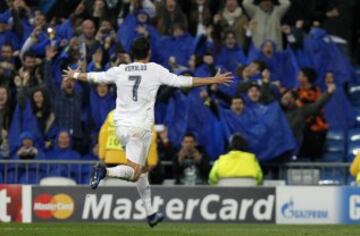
{"x": 140, "y": 48}
{"x": 238, "y": 142}
{"x": 309, "y": 73}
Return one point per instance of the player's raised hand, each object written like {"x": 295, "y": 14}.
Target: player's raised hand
{"x": 70, "y": 73}
{"x": 223, "y": 78}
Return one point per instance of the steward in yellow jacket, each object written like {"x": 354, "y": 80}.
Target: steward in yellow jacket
{"x": 110, "y": 149}
{"x": 355, "y": 168}
{"x": 238, "y": 163}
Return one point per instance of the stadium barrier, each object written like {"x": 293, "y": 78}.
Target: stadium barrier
{"x": 295, "y": 173}
{"x": 281, "y": 205}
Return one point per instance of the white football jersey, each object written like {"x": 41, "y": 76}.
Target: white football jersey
{"x": 137, "y": 85}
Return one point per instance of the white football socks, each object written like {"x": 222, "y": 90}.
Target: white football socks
{"x": 143, "y": 187}
{"x": 121, "y": 172}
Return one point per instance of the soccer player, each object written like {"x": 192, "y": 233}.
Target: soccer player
{"x": 137, "y": 85}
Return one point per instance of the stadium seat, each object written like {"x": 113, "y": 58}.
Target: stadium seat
{"x": 354, "y": 94}
{"x": 57, "y": 181}
{"x": 335, "y": 134}
{"x": 333, "y": 157}
{"x": 238, "y": 182}
{"x": 354, "y": 135}
{"x": 332, "y": 176}
{"x": 353, "y": 149}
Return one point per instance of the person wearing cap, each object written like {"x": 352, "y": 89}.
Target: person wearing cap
{"x": 239, "y": 162}
{"x": 268, "y": 20}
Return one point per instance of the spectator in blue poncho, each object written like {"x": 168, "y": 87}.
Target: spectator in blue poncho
{"x": 42, "y": 109}
{"x": 6, "y": 35}
{"x": 62, "y": 151}
{"x": 170, "y": 14}
{"x": 178, "y": 48}
{"x": 39, "y": 38}
{"x": 231, "y": 55}
{"x": 137, "y": 25}
{"x": 106, "y": 36}
{"x": 25, "y": 151}
{"x": 8, "y": 63}
{"x": 88, "y": 42}
{"x": 102, "y": 101}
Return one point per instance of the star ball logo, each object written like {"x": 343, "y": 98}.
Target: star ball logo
{"x": 58, "y": 206}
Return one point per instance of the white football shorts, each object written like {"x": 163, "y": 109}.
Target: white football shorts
{"x": 136, "y": 143}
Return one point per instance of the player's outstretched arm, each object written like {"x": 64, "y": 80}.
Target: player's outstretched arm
{"x": 219, "y": 78}
{"x": 106, "y": 77}
{"x": 75, "y": 74}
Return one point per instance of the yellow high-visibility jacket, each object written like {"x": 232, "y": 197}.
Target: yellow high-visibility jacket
{"x": 110, "y": 149}
{"x": 236, "y": 164}
{"x": 355, "y": 168}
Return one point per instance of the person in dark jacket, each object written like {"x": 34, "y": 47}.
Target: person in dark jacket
{"x": 296, "y": 115}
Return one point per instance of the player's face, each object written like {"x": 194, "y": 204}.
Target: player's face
{"x": 254, "y": 94}
{"x": 64, "y": 140}
{"x": 237, "y": 105}
{"x": 188, "y": 143}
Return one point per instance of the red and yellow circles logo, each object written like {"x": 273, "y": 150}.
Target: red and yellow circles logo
{"x": 59, "y": 206}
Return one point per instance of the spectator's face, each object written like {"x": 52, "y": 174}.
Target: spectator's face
{"x": 266, "y": 5}
{"x": 188, "y": 143}
{"x": 254, "y": 94}
{"x": 177, "y": 32}
{"x": 64, "y": 140}
{"x": 267, "y": 49}
{"x": 102, "y": 90}
{"x": 170, "y": 5}
{"x": 142, "y": 18}
{"x": 39, "y": 20}
{"x": 68, "y": 86}
{"x": 6, "y": 52}
{"x": 231, "y": 5}
{"x": 303, "y": 80}
{"x": 208, "y": 59}
{"x": 38, "y": 98}
{"x": 3, "y": 96}
{"x": 329, "y": 78}
{"x": 287, "y": 100}
{"x": 89, "y": 29}
{"x": 29, "y": 63}
{"x": 27, "y": 143}
{"x": 106, "y": 27}
{"x": 230, "y": 41}
{"x": 237, "y": 105}
{"x": 253, "y": 69}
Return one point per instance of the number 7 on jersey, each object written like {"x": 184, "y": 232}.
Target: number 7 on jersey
{"x": 137, "y": 81}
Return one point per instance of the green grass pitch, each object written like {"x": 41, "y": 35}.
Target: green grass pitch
{"x": 173, "y": 229}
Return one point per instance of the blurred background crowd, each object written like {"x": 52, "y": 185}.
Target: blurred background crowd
{"x": 294, "y": 62}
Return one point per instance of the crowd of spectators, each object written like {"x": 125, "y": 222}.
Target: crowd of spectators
{"x": 291, "y": 75}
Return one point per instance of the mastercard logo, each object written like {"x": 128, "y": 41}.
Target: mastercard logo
{"x": 59, "y": 206}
